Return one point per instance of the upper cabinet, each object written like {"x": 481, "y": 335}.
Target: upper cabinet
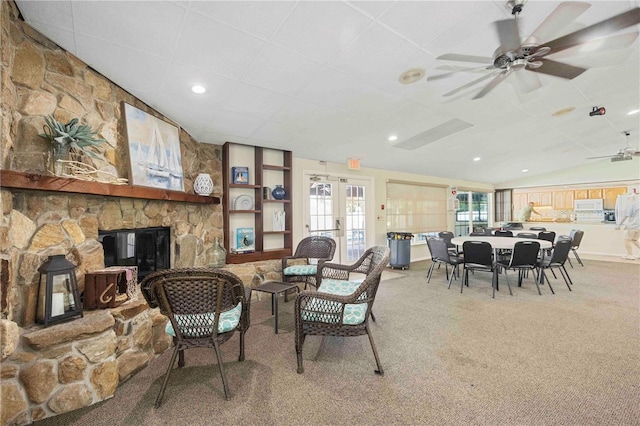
{"x": 611, "y": 195}
{"x": 257, "y": 224}
{"x": 563, "y": 200}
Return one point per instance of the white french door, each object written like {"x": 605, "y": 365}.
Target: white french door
{"x": 339, "y": 207}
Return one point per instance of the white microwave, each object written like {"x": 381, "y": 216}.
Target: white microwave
{"x": 583, "y": 205}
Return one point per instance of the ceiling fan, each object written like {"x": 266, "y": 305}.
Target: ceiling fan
{"x": 626, "y": 153}
{"x": 515, "y": 56}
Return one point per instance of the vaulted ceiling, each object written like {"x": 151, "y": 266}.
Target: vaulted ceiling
{"x": 321, "y": 78}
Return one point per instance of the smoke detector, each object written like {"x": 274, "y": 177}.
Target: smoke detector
{"x": 412, "y": 75}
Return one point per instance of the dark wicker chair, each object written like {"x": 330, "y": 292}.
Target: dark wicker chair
{"x": 205, "y": 307}
{"x": 344, "y": 312}
{"x": 300, "y": 266}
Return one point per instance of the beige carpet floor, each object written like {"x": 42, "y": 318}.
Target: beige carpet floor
{"x": 572, "y": 358}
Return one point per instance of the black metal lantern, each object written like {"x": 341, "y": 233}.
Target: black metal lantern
{"x": 58, "y": 297}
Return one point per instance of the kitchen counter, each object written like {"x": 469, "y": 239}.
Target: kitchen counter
{"x": 600, "y": 238}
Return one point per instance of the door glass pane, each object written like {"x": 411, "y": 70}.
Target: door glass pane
{"x": 321, "y": 209}
{"x": 355, "y": 218}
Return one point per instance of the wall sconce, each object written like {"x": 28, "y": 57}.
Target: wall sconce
{"x": 58, "y": 297}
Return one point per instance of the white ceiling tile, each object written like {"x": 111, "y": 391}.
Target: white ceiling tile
{"x": 408, "y": 18}
{"x": 260, "y": 18}
{"x": 236, "y": 123}
{"x": 255, "y": 102}
{"x": 320, "y": 30}
{"x": 331, "y": 88}
{"x": 207, "y": 44}
{"x": 53, "y": 14}
{"x": 281, "y": 70}
{"x": 130, "y": 24}
{"x": 132, "y": 70}
{"x": 300, "y": 113}
{"x": 372, "y": 8}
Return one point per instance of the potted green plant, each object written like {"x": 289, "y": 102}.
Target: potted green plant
{"x": 67, "y": 138}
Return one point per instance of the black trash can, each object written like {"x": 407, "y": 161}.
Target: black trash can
{"x": 400, "y": 246}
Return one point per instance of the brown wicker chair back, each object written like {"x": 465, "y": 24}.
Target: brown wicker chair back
{"x": 314, "y": 248}
{"x": 194, "y": 299}
{"x": 325, "y": 314}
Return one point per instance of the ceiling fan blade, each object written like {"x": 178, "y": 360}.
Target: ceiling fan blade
{"x": 492, "y": 84}
{"x": 457, "y": 70}
{"x": 557, "y": 20}
{"x": 466, "y": 58}
{"x": 528, "y": 81}
{"x": 508, "y": 34}
{"x": 602, "y": 156}
{"x": 600, "y": 29}
{"x": 472, "y": 83}
{"x": 606, "y": 44}
{"x": 558, "y": 69}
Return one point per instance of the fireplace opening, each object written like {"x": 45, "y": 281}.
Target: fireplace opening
{"x": 146, "y": 248}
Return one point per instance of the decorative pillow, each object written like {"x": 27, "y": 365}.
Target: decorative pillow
{"x": 300, "y": 270}
{"x": 194, "y": 325}
{"x": 353, "y": 313}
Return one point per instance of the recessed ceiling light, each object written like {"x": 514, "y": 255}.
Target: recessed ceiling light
{"x": 393, "y": 138}
{"x": 476, "y": 159}
{"x": 412, "y": 75}
{"x": 525, "y": 170}
{"x": 633, "y": 111}
{"x": 198, "y": 88}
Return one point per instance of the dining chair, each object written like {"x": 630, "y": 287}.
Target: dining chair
{"x": 548, "y": 236}
{"x": 478, "y": 256}
{"x": 502, "y": 233}
{"x": 524, "y": 258}
{"x": 205, "y": 307}
{"x": 441, "y": 255}
{"x": 527, "y": 235}
{"x": 477, "y": 234}
{"x": 447, "y": 236}
{"x": 341, "y": 307}
{"x": 538, "y": 228}
{"x": 576, "y": 238}
{"x": 556, "y": 260}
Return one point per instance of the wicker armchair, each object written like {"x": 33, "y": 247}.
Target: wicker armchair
{"x": 205, "y": 307}
{"x": 319, "y": 249}
{"x": 340, "y": 307}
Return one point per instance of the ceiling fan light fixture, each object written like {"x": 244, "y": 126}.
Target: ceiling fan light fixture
{"x": 393, "y": 138}
{"x": 411, "y": 76}
{"x": 525, "y": 170}
{"x": 476, "y": 158}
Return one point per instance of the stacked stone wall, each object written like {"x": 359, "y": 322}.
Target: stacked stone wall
{"x": 44, "y": 372}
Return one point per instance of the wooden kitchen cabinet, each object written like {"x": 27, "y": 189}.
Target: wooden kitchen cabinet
{"x": 611, "y": 195}
{"x": 535, "y": 197}
{"x": 595, "y": 194}
{"x": 581, "y": 194}
{"x": 563, "y": 200}
{"x": 546, "y": 198}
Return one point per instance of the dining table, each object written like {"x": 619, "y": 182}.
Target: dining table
{"x": 500, "y": 243}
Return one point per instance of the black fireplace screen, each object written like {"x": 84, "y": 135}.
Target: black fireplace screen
{"x": 146, "y": 248}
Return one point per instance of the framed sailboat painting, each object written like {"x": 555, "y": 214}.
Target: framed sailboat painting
{"x": 154, "y": 150}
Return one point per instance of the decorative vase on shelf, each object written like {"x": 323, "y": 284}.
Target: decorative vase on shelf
{"x": 279, "y": 192}
{"x": 203, "y": 185}
{"x": 59, "y": 158}
{"x": 218, "y": 255}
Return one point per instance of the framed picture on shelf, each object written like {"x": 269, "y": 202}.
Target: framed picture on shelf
{"x": 240, "y": 175}
{"x": 245, "y": 240}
